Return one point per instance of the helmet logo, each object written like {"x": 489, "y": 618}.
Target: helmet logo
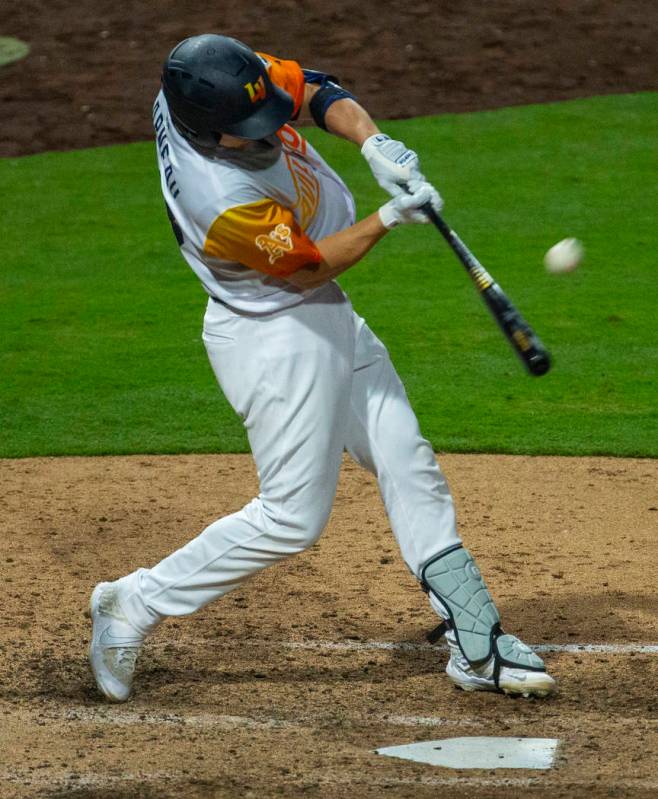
{"x": 277, "y": 242}
{"x": 256, "y": 91}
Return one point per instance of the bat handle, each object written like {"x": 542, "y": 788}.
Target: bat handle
{"x": 439, "y": 223}
{"x": 436, "y": 219}
{"x": 432, "y": 215}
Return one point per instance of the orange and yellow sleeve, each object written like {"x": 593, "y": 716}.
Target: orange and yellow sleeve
{"x": 261, "y": 235}
{"x": 288, "y": 76}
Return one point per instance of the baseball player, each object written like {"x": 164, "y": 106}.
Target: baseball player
{"x": 267, "y": 225}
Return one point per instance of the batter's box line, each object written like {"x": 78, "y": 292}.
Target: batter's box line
{"x": 406, "y": 646}
{"x": 113, "y": 715}
{"x": 637, "y": 783}
{"x": 82, "y": 779}
{"x": 593, "y": 649}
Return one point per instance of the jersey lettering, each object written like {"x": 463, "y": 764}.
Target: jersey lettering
{"x": 307, "y": 187}
{"x": 163, "y": 149}
{"x": 291, "y": 139}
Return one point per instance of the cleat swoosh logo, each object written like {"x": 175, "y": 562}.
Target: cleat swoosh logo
{"x": 107, "y": 639}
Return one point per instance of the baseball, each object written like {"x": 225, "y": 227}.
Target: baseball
{"x": 564, "y": 256}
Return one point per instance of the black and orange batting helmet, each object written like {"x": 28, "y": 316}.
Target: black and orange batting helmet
{"x": 214, "y": 84}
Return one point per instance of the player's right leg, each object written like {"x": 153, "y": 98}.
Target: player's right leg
{"x": 383, "y": 436}
{"x": 288, "y": 375}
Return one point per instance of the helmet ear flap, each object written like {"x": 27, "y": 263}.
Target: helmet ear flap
{"x": 207, "y": 140}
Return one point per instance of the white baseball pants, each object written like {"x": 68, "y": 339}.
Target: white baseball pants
{"x": 308, "y": 382}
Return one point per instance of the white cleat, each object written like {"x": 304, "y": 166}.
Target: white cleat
{"x": 114, "y": 645}
{"x": 512, "y": 681}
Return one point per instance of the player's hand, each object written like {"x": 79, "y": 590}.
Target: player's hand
{"x": 392, "y": 163}
{"x": 407, "y": 208}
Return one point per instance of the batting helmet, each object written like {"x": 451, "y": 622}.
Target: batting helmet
{"x": 215, "y": 84}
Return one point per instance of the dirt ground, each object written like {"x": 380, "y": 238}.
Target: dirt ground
{"x": 286, "y": 687}
{"x": 94, "y": 67}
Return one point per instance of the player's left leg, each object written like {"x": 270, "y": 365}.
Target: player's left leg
{"x": 383, "y": 436}
{"x": 288, "y": 374}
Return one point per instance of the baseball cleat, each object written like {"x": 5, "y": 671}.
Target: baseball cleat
{"x": 511, "y": 681}
{"x": 114, "y": 645}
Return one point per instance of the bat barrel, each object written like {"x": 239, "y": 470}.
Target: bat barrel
{"x": 518, "y": 332}
{"x": 539, "y": 363}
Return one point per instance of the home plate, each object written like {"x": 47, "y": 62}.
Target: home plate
{"x": 479, "y": 752}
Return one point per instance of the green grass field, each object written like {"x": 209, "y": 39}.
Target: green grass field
{"x": 100, "y": 317}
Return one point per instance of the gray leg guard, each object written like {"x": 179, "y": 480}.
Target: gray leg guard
{"x": 455, "y": 581}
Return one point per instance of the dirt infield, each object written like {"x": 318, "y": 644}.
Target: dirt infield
{"x": 94, "y": 67}
{"x": 286, "y": 687}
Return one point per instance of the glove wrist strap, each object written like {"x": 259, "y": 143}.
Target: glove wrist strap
{"x": 373, "y": 141}
{"x": 388, "y": 216}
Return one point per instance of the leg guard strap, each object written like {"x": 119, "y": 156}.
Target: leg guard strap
{"x": 438, "y": 632}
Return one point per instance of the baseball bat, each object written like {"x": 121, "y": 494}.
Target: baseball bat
{"x": 521, "y": 336}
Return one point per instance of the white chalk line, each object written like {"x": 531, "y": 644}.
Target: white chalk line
{"x": 219, "y": 720}
{"x": 594, "y": 649}
{"x": 223, "y": 721}
{"x": 413, "y": 646}
{"x": 409, "y": 646}
{"x": 96, "y": 780}
{"x": 121, "y": 716}
{"x": 494, "y": 782}
{"x": 81, "y": 779}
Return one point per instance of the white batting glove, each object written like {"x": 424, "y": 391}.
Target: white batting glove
{"x": 407, "y": 208}
{"x": 436, "y": 201}
{"x": 392, "y": 163}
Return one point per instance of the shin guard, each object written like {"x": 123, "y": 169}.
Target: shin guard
{"x": 455, "y": 581}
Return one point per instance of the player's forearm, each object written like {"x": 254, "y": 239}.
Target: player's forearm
{"x": 344, "y": 118}
{"x": 347, "y": 119}
{"x": 340, "y": 251}
{"x": 343, "y": 249}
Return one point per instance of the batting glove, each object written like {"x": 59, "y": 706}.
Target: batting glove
{"x": 392, "y": 163}
{"x": 408, "y": 208}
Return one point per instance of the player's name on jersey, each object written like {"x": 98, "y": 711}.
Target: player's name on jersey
{"x": 163, "y": 149}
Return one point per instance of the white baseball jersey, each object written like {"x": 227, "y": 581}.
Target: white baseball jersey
{"x": 246, "y": 219}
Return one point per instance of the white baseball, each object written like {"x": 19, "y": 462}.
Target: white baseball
{"x": 564, "y": 256}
